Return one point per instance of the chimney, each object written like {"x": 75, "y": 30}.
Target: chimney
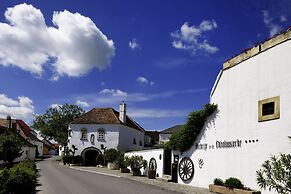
{"x": 9, "y": 122}
{"x": 122, "y": 112}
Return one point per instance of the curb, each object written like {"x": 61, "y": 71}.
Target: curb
{"x": 101, "y": 173}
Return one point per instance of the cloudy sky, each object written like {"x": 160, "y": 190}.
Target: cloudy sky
{"x": 161, "y": 58}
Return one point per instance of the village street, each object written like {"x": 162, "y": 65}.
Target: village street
{"x": 56, "y": 179}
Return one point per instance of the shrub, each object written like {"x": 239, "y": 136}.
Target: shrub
{"x": 135, "y": 162}
{"x": 99, "y": 159}
{"x": 124, "y": 170}
{"x": 276, "y": 174}
{"x": 20, "y": 179}
{"x": 233, "y": 183}
{"x": 120, "y": 159}
{"x": 78, "y": 159}
{"x": 110, "y": 155}
{"x": 218, "y": 181}
{"x": 67, "y": 159}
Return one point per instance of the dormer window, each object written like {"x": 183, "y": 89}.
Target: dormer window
{"x": 84, "y": 133}
{"x": 101, "y": 134}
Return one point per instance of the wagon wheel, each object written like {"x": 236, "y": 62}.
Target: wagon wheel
{"x": 186, "y": 169}
{"x": 152, "y": 164}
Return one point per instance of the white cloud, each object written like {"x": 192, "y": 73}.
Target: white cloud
{"x": 191, "y": 38}
{"x": 73, "y": 46}
{"x": 133, "y": 44}
{"x": 113, "y": 92}
{"x": 156, "y": 113}
{"x": 82, "y": 103}
{"x": 19, "y": 109}
{"x": 143, "y": 80}
{"x": 268, "y": 20}
{"x": 55, "y": 105}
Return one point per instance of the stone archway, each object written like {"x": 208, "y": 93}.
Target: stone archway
{"x": 89, "y": 156}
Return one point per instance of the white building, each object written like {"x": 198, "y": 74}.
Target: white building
{"x": 253, "y": 92}
{"x": 104, "y": 128}
{"x": 165, "y": 135}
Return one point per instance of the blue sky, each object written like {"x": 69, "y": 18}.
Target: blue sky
{"x": 160, "y": 57}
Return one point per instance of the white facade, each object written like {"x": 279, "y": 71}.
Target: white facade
{"x": 28, "y": 153}
{"x": 164, "y": 137}
{"x": 116, "y": 136}
{"x": 237, "y": 92}
{"x": 157, "y": 154}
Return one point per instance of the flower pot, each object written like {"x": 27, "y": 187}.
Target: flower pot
{"x": 112, "y": 166}
{"x": 225, "y": 190}
{"x": 136, "y": 172}
{"x": 151, "y": 174}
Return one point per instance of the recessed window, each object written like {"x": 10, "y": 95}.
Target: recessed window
{"x": 83, "y": 133}
{"x": 92, "y": 138}
{"x": 140, "y": 143}
{"x": 134, "y": 141}
{"x": 101, "y": 134}
{"x": 269, "y": 109}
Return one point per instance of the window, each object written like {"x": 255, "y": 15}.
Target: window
{"x": 269, "y": 109}
{"x": 84, "y": 133}
{"x": 140, "y": 143}
{"x": 92, "y": 138}
{"x": 101, "y": 134}
{"x": 134, "y": 141}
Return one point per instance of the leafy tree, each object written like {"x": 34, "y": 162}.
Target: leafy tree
{"x": 276, "y": 174}
{"x": 54, "y": 122}
{"x": 10, "y": 146}
{"x": 185, "y": 138}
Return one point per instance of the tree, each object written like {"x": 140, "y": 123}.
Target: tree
{"x": 276, "y": 174}
{"x": 54, "y": 122}
{"x": 10, "y": 146}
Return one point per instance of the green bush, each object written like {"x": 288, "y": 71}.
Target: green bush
{"x": 233, "y": 183}
{"x": 67, "y": 159}
{"x": 120, "y": 159}
{"x": 78, "y": 159}
{"x": 135, "y": 162}
{"x": 99, "y": 159}
{"x": 110, "y": 155}
{"x": 21, "y": 179}
{"x": 218, "y": 181}
{"x": 185, "y": 138}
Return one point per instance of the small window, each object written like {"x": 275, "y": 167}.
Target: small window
{"x": 134, "y": 141}
{"x": 269, "y": 109}
{"x": 92, "y": 138}
{"x": 140, "y": 143}
{"x": 83, "y": 133}
{"x": 101, "y": 134}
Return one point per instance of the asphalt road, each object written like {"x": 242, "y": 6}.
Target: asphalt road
{"x": 56, "y": 179}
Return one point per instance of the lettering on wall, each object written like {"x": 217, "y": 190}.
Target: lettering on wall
{"x": 220, "y": 145}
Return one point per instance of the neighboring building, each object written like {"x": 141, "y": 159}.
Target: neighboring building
{"x": 25, "y": 131}
{"x": 48, "y": 147}
{"x": 104, "y": 128}
{"x": 151, "y": 138}
{"x": 165, "y": 135}
{"x": 252, "y": 123}
{"x": 28, "y": 149}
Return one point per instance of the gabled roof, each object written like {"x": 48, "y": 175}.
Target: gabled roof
{"x": 24, "y": 141}
{"x": 105, "y": 116}
{"x": 172, "y": 130}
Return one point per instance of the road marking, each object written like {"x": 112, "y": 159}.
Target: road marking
{"x": 101, "y": 173}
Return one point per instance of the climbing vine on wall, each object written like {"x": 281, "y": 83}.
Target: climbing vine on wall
{"x": 185, "y": 138}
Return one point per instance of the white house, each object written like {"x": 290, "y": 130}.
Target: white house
{"x": 165, "y": 135}
{"x": 252, "y": 123}
{"x": 104, "y": 128}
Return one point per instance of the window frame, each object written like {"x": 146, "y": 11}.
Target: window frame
{"x": 275, "y": 115}
{"x": 134, "y": 141}
{"x": 99, "y": 132}
{"x": 92, "y": 138}
{"x": 84, "y": 132}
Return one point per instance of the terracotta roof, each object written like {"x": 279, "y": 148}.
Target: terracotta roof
{"x": 24, "y": 141}
{"x": 105, "y": 116}
{"x": 172, "y": 130}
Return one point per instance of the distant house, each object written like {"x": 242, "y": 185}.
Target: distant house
{"x": 104, "y": 128}
{"x": 25, "y": 131}
{"x": 165, "y": 135}
{"x": 28, "y": 149}
{"x": 48, "y": 147}
{"x": 151, "y": 138}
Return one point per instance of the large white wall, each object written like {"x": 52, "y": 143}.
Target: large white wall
{"x": 126, "y": 135}
{"x": 111, "y": 136}
{"x": 237, "y": 94}
{"x": 158, "y": 154}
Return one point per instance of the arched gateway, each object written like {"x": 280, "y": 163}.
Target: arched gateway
{"x": 89, "y": 156}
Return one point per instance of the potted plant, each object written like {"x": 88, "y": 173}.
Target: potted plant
{"x": 110, "y": 156}
{"x": 135, "y": 163}
{"x": 230, "y": 185}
